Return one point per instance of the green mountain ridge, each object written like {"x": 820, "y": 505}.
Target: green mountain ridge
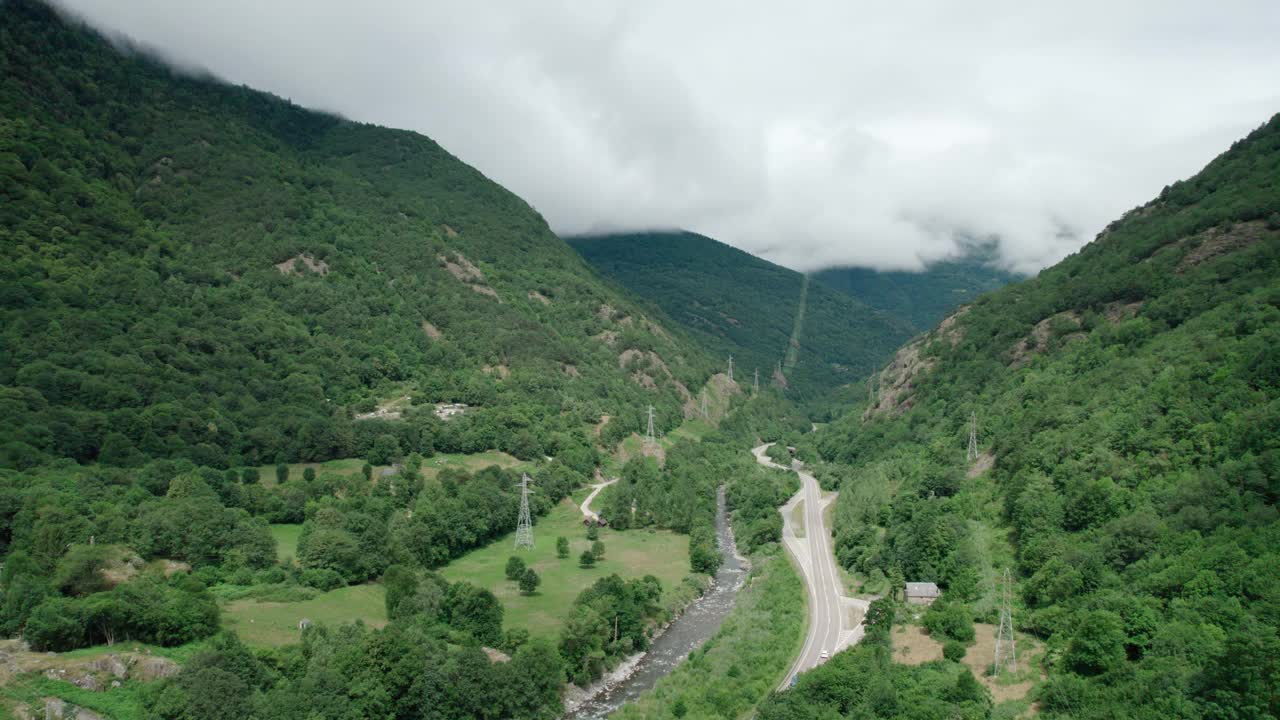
{"x": 192, "y": 269}
{"x": 922, "y": 298}
{"x": 737, "y": 304}
{"x": 1127, "y": 406}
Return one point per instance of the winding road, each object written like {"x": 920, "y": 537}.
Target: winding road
{"x": 831, "y": 615}
{"x": 587, "y": 512}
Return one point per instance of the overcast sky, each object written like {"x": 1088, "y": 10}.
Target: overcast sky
{"x": 812, "y": 133}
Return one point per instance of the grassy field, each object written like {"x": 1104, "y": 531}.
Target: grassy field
{"x": 694, "y": 429}
{"x": 633, "y": 553}
{"x": 271, "y": 624}
{"x": 286, "y": 537}
{"x": 471, "y": 463}
{"x": 430, "y": 467}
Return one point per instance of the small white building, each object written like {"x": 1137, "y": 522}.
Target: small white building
{"x": 445, "y": 411}
{"x": 922, "y": 593}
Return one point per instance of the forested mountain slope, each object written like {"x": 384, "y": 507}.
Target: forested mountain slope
{"x": 1128, "y": 423}
{"x": 736, "y": 303}
{"x": 922, "y": 298}
{"x": 191, "y": 269}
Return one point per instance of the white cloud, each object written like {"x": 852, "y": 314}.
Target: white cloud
{"x": 817, "y": 133}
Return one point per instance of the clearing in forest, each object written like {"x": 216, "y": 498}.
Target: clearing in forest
{"x": 629, "y": 553}
{"x": 286, "y": 537}
{"x": 272, "y": 624}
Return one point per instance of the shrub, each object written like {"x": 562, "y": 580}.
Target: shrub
{"x": 515, "y": 568}
{"x": 529, "y": 581}
{"x": 949, "y": 620}
{"x": 270, "y": 576}
{"x": 586, "y": 559}
{"x": 322, "y": 579}
{"x": 953, "y": 650}
{"x": 241, "y": 576}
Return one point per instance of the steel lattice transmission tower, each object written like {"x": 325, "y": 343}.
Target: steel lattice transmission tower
{"x": 524, "y": 526}
{"x": 755, "y": 383}
{"x": 973, "y": 437}
{"x": 649, "y": 437}
{"x": 730, "y": 368}
{"x": 1006, "y": 645}
{"x": 704, "y": 405}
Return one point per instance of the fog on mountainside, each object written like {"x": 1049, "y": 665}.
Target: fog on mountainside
{"x": 309, "y": 419}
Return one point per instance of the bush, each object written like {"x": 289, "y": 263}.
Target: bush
{"x": 562, "y": 547}
{"x": 322, "y": 579}
{"x": 948, "y": 620}
{"x": 529, "y": 581}
{"x": 515, "y": 568}
{"x": 240, "y": 576}
{"x": 586, "y": 559}
{"x": 270, "y": 576}
{"x": 953, "y": 650}
{"x": 55, "y": 624}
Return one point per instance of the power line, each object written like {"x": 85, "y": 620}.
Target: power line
{"x": 1006, "y": 644}
{"x": 524, "y": 526}
{"x": 973, "y": 437}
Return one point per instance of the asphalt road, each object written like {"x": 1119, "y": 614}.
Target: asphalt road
{"x": 811, "y": 548}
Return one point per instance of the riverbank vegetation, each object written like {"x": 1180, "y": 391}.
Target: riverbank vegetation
{"x": 746, "y": 658}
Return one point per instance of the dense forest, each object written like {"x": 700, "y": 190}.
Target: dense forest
{"x": 195, "y": 270}
{"x": 1126, "y": 409}
{"x": 763, "y": 314}
{"x": 199, "y": 280}
{"x": 923, "y": 298}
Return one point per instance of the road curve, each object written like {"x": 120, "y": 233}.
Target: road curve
{"x": 587, "y": 512}
{"x": 828, "y": 607}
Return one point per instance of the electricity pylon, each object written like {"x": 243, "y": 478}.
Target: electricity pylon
{"x": 730, "y": 368}
{"x": 524, "y": 526}
{"x": 1006, "y": 645}
{"x": 704, "y": 405}
{"x": 973, "y": 437}
{"x": 755, "y": 383}
{"x": 648, "y": 433}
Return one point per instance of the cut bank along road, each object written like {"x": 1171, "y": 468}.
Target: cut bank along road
{"x": 829, "y": 629}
